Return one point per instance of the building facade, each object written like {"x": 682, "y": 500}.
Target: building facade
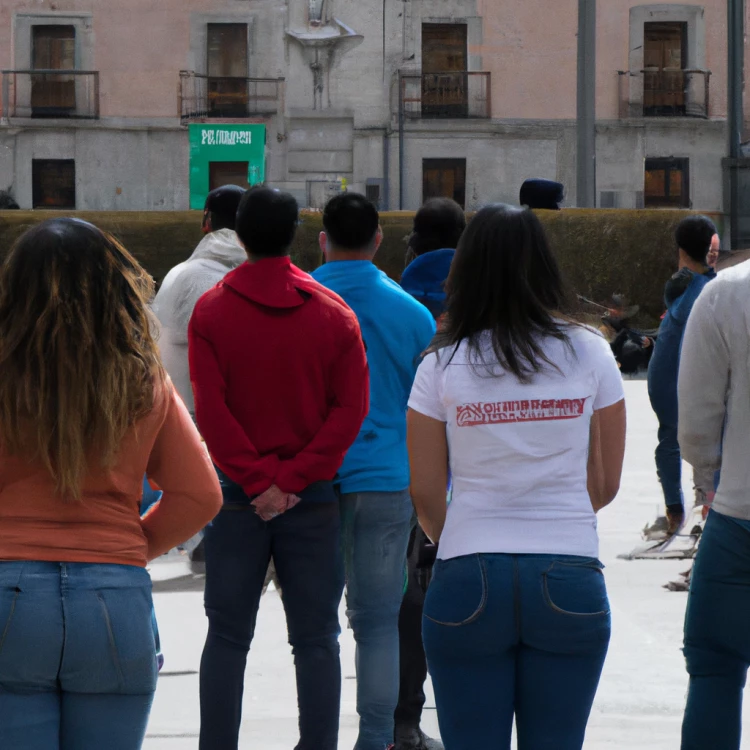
{"x": 147, "y": 106}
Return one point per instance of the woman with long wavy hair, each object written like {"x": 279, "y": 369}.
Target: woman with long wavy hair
{"x": 85, "y": 411}
{"x": 526, "y": 409}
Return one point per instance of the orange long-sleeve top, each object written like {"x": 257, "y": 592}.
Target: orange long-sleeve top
{"x": 105, "y": 525}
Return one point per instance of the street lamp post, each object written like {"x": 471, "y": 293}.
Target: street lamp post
{"x": 586, "y": 114}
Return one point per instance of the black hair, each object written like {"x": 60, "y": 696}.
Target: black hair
{"x": 351, "y": 221}
{"x": 267, "y": 222}
{"x": 221, "y": 206}
{"x": 439, "y": 224}
{"x": 694, "y": 235}
{"x": 505, "y": 281}
{"x": 542, "y": 194}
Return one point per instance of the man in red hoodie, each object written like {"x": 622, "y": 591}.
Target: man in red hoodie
{"x": 281, "y": 389}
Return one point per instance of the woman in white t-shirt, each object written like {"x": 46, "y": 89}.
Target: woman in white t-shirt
{"x": 526, "y": 410}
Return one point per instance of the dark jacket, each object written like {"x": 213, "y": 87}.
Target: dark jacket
{"x": 680, "y": 294}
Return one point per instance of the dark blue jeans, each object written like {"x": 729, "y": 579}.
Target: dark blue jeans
{"x": 667, "y": 455}
{"x": 306, "y": 548}
{"x": 77, "y": 658}
{"x": 522, "y": 635}
{"x": 717, "y": 646}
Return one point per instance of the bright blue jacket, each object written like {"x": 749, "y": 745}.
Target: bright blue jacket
{"x": 424, "y": 278}
{"x": 396, "y": 330}
{"x": 664, "y": 367}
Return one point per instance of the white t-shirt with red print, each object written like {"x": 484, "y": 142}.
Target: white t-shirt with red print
{"x": 518, "y": 451}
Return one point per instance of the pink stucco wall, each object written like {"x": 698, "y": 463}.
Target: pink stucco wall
{"x": 531, "y": 47}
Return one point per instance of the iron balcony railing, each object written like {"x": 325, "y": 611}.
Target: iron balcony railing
{"x": 463, "y": 94}
{"x": 50, "y": 93}
{"x": 205, "y": 97}
{"x": 664, "y": 93}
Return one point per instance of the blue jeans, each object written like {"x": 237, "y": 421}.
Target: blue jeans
{"x": 522, "y": 635}
{"x": 669, "y": 465}
{"x": 717, "y": 647}
{"x": 375, "y": 529}
{"x": 77, "y": 659}
{"x": 306, "y": 549}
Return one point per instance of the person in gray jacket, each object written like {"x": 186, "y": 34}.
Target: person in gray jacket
{"x": 216, "y": 255}
{"x": 714, "y": 425}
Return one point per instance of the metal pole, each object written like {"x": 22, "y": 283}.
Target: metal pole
{"x": 586, "y": 115}
{"x": 736, "y": 53}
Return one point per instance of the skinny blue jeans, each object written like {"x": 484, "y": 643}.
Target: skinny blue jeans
{"x": 77, "y": 657}
{"x": 516, "y": 635}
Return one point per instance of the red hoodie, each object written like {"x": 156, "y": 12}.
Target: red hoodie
{"x": 279, "y": 374}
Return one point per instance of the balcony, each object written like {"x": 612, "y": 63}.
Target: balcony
{"x": 69, "y": 94}
{"x": 451, "y": 95}
{"x": 205, "y": 97}
{"x": 664, "y": 93}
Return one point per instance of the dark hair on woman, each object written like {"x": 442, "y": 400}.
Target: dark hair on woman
{"x": 77, "y": 351}
{"x": 438, "y": 224}
{"x": 694, "y": 235}
{"x": 505, "y": 283}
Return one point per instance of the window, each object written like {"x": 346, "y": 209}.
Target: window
{"x": 372, "y": 193}
{"x": 53, "y": 48}
{"x": 53, "y": 183}
{"x": 227, "y": 70}
{"x": 667, "y": 183}
{"x": 444, "y": 178}
{"x": 222, "y": 173}
{"x": 664, "y": 61}
{"x": 444, "y": 64}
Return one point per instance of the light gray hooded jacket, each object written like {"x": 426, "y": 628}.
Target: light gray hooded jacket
{"x": 216, "y": 255}
{"x": 714, "y": 388}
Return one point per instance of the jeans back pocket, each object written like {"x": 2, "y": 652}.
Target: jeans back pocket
{"x": 576, "y": 588}
{"x": 458, "y": 592}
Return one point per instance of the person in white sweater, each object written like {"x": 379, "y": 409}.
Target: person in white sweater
{"x": 217, "y": 254}
{"x": 714, "y": 421}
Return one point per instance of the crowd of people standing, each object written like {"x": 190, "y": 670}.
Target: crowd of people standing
{"x": 354, "y": 430}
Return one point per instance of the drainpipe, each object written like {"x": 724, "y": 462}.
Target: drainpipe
{"x": 401, "y": 148}
{"x": 736, "y": 52}
{"x": 586, "y": 115}
{"x": 386, "y": 171}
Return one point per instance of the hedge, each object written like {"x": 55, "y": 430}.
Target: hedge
{"x": 601, "y": 251}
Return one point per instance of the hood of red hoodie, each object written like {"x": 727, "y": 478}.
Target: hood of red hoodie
{"x": 272, "y": 282}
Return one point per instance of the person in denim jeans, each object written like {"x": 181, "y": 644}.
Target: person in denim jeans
{"x": 86, "y": 411}
{"x": 373, "y": 482}
{"x": 714, "y": 421}
{"x": 281, "y": 388}
{"x": 516, "y": 619}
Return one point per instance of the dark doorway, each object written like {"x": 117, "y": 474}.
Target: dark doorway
{"x": 444, "y": 70}
{"x": 444, "y": 178}
{"x": 664, "y": 62}
{"x": 222, "y": 173}
{"x": 53, "y": 48}
{"x": 227, "y": 70}
{"x": 53, "y": 183}
{"x": 667, "y": 183}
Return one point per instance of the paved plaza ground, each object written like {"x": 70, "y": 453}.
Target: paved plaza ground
{"x": 642, "y": 693}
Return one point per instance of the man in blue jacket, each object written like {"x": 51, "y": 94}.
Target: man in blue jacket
{"x": 373, "y": 483}
{"x": 695, "y": 236}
